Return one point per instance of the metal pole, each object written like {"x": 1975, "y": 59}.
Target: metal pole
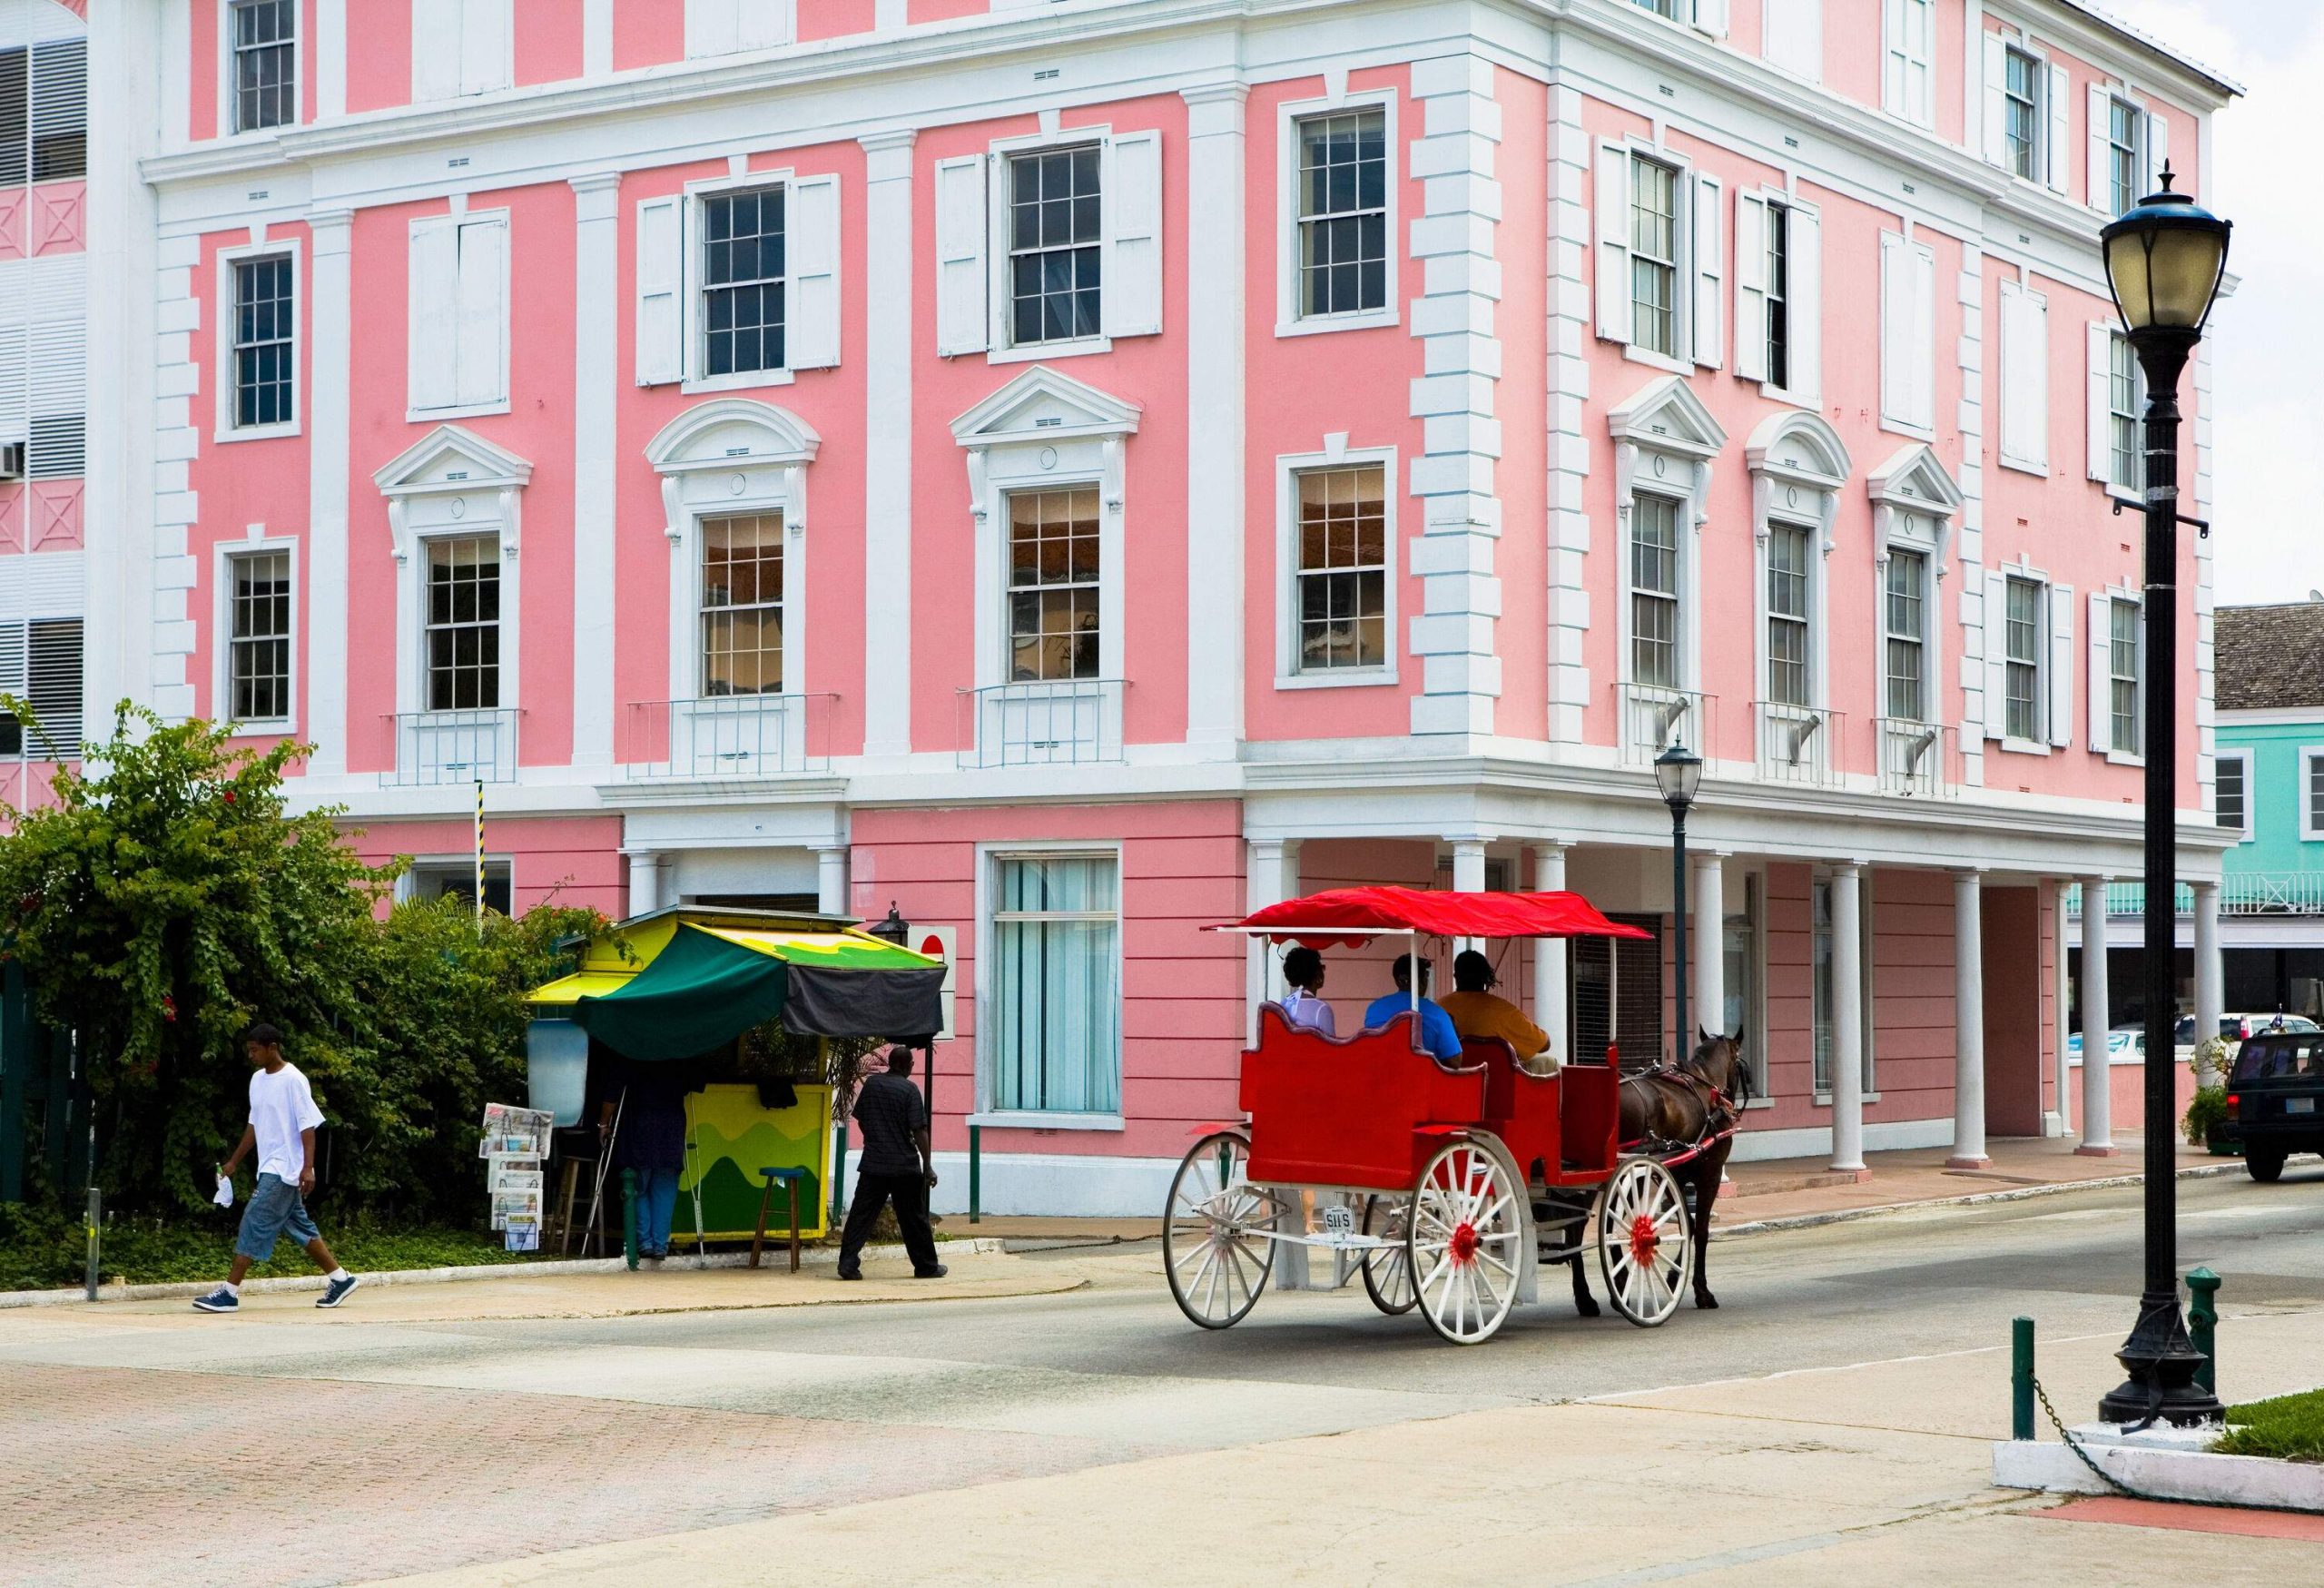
{"x": 2202, "y": 1325}
{"x": 2021, "y": 1378}
{"x": 2158, "y": 1359}
{"x": 479, "y": 857}
{"x": 96, "y": 1216}
{"x": 976, "y": 1173}
{"x": 1678, "y": 925}
{"x": 629, "y": 1217}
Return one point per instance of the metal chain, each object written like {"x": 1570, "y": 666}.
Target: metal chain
{"x": 2108, "y": 1478}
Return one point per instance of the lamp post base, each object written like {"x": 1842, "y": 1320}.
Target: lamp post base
{"x": 2161, "y": 1362}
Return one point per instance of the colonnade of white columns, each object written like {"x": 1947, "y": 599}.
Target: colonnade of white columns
{"x": 2097, "y": 1095}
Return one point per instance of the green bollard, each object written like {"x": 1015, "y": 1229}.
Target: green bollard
{"x": 2021, "y": 1378}
{"x": 976, "y": 1173}
{"x": 2202, "y": 1321}
{"x": 629, "y": 1217}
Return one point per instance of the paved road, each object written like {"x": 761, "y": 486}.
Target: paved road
{"x": 302, "y": 1447}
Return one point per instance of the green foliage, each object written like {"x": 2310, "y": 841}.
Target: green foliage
{"x": 171, "y": 898}
{"x": 2206, "y": 1112}
{"x": 2289, "y": 1427}
{"x": 44, "y": 1248}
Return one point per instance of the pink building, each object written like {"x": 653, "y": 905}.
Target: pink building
{"x": 1079, "y": 470}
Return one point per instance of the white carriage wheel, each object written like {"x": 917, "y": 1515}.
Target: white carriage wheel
{"x": 1466, "y": 1230}
{"x": 1217, "y": 1262}
{"x": 1388, "y": 1270}
{"x": 1645, "y": 1245}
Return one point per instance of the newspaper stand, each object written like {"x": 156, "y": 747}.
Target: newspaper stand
{"x": 1447, "y": 1184}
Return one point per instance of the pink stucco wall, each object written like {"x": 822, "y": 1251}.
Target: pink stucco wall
{"x": 564, "y": 860}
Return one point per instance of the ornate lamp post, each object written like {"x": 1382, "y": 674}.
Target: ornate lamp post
{"x": 1677, "y": 771}
{"x": 2164, "y": 260}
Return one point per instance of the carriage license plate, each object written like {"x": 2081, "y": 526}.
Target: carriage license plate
{"x": 1339, "y": 1222}
{"x": 2300, "y": 1105}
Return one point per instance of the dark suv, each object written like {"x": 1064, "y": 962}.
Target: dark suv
{"x": 2275, "y": 1100}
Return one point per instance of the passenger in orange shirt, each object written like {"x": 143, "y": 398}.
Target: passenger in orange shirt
{"x": 1476, "y": 1011}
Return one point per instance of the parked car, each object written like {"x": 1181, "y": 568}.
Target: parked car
{"x": 2236, "y": 1027}
{"x": 2123, "y": 1043}
{"x": 2275, "y": 1100}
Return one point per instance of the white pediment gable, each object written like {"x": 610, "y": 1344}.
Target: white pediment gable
{"x": 1041, "y": 404}
{"x": 1914, "y": 479}
{"x": 1666, "y": 413}
{"x": 450, "y": 458}
{"x": 730, "y": 432}
{"x": 1800, "y": 447}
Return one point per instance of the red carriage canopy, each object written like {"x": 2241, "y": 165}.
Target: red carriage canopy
{"x": 1343, "y": 916}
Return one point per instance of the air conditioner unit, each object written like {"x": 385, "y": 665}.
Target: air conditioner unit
{"x": 11, "y": 460}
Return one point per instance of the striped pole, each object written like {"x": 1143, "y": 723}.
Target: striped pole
{"x": 479, "y": 857}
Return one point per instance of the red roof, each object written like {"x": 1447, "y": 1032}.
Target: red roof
{"x": 1353, "y": 915}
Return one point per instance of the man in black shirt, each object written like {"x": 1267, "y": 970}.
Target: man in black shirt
{"x": 896, "y": 1164}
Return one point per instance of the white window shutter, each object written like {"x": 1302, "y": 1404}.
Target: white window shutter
{"x": 2101, "y": 671}
{"x": 434, "y": 303}
{"x": 1895, "y": 316}
{"x": 714, "y": 28}
{"x": 2060, "y": 608}
{"x": 2102, "y": 148}
{"x": 810, "y": 246}
{"x": 963, "y": 310}
{"x": 764, "y": 24}
{"x": 1711, "y": 16}
{"x": 480, "y": 316}
{"x": 1710, "y": 264}
{"x": 2024, "y": 377}
{"x": 1751, "y": 286}
{"x": 1996, "y": 99}
{"x": 1613, "y": 200}
{"x": 1804, "y": 241}
{"x": 435, "y": 50}
{"x": 661, "y": 269}
{"x": 1792, "y": 36}
{"x": 1130, "y": 282}
{"x": 2101, "y": 385}
{"x": 2057, "y": 99}
{"x": 1893, "y": 43}
{"x": 485, "y": 43}
{"x": 1996, "y": 627}
{"x": 2158, "y": 151}
{"x": 1921, "y": 266}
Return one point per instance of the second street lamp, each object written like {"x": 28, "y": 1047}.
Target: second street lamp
{"x": 2164, "y": 260}
{"x": 1678, "y": 772}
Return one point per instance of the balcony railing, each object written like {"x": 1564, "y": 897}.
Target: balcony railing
{"x": 2251, "y": 894}
{"x": 1915, "y": 758}
{"x": 1654, "y": 718}
{"x": 1051, "y": 722}
{"x": 732, "y": 736}
{"x": 1799, "y": 744}
{"x": 454, "y": 746}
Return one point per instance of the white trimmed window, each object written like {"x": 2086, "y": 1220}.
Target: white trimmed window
{"x": 2232, "y": 791}
{"x": 459, "y": 314}
{"x": 258, "y": 635}
{"x": 1342, "y": 220}
{"x": 741, "y": 604}
{"x": 1340, "y": 595}
{"x": 460, "y": 47}
{"x": 1055, "y": 580}
{"x": 2024, "y": 378}
{"x": 258, "y": 342}
{"x": 454, "y": 877}
{"x": 1790, "y": 678}
{"x": 738, "y": 281}
{"x": 2022, "y": 659}
{"x": 1654, "y": 530}
{"x": 1056, "y": 245}
{"x": 2124, "y": 685}
{"x": 1778, "y": 295}
{"x": 2029, "y": 639}
{"x": 462, "y": 637}
{"x": 2025, "y": 111}
{"x": 723, "y": 27}
{"x": 2311, "y": 791}
{"x": 1655, "y": 313}
{"x": 2021, "y": 114}
{"x": 1053, "y": 989}
{"x": 2125, "y": 154}
{"x": 1909, "y": 49}
{"x": 1905, "y": 635}
{"x": 1661, "y": 279}
{"x": 2117, "y": 402}
{"x": 263, "y": 42}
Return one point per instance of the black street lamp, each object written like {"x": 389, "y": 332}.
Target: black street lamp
{"x": 2164, "y": 260}
{"x": 1677, "y": 771}
{"x": 895, "y": 928}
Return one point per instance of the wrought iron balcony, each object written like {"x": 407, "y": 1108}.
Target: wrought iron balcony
{"x": 1799, "y": 744}
{"x": 434, "y": 747}
{"x": 1653, "y": 718}
{"x": 1915, "y": 758}
{"x": 1065, "y": 722}
{"x": 716, "y": 737}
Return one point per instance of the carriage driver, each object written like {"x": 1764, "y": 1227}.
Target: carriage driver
{"x": 1477, "y": 1011}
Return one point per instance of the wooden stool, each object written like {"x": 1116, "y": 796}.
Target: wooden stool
{"x": 789, "y": 1179}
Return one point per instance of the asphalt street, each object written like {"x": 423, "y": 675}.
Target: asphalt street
{"x": 291, "y": 1446}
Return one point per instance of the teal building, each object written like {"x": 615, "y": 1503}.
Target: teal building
{"x": 2268, "y": 767}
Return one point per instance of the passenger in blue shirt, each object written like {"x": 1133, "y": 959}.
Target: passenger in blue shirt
{"x": 1437, "y": 1033}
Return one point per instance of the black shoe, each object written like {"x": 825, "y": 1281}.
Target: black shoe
{"x": 938, "y": 1272}
{"x": 850, "y": 1273}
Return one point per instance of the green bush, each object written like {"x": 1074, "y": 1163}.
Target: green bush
{"x": 44, "y": 1248}
{"x": 2206, "y": 1112}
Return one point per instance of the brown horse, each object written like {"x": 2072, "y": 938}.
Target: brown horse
{"x": 1673, "y": 1107}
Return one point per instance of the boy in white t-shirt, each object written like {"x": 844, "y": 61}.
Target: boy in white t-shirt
{"x": 281, "y": 1132}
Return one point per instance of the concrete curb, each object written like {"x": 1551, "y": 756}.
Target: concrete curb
{"x": 776, "y": 1260}
{"x": 2163, "y": 1473}
{"x": 2203, "y": 1171}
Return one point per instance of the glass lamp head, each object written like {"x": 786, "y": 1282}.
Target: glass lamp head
{"x": 1678, "y": 772}
{"x": 2164, "y": 260}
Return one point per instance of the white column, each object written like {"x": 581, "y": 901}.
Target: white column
{"x": 596, "y": 369}
{"x": 1968, "y": 1023}
{"x": 1707, "y": 941}
{"x": 1548, "y": 956}
{"x": 2097, "y": 1094}
{"x": 1848, "y": 1021}
{"x": 597, "y": 37}
{"x": 1468, "y": 877}
{"x": 831, "y": 879}
{"x": 1271, "y": 876}
{"x": 887, "y": 445}
{"x": 645, "y": 881}
{"x": 330, "y": 314}
{"x": 330, "y": 58}
{"x": 2210, "y": 978}
{"x": 1214, "y": 394}
{"x": 2058, "y": 1120}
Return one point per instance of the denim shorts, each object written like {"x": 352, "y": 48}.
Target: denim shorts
{"x": 275, "y": 1210}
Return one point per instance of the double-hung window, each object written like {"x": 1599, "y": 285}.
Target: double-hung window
{"x": 1054, "y": 988}
{"x": 463, "y": 658}
{"x": 1787, "y": 574}
{"x": 2311, "y": 794}
{"x": 1654, "y": 256}
{"x": 1053, "y": 584}
{"x": 1904, "y": 616}
{"x": 1654, "y": 591}
{"x": 266, "y": 63}
{"x": 1779, "y": 289}
{"x": 738, "y": 281}
{"x": 1673, "y": 9}
{"x": 1343, "y": 193}
{"x": 459, "y": 314}
{"x": 258, "y": 645}
{"x": 1054, "y": 245}
{"x": 2125, "y": 154}
{"x": 2122, "y": 675}
{"x": 2022, "y": 85}
{"x": 741, "y": 605}
{"x": 742, "y": 310}
{"x": 265, "y": 334}
{"x": 1342, "y": 579}
{"x": 2126, "y": 465}
{"x": 2229, "y": 791}
{"x": 2022, "y": 646}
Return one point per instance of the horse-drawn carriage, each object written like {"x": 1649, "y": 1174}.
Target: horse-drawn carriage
{"x": 1447, "y": 1184}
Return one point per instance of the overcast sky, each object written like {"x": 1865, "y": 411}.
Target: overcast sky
{"x": 2267, "y": 341}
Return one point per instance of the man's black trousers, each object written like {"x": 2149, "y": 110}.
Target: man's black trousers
{"x": 873, "y": 1192}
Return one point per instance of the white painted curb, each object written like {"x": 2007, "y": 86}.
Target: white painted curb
{"x": 776, "y": 1258}
{"x": 2165, "y": 1474}
{"x": 2201, "y": 1171}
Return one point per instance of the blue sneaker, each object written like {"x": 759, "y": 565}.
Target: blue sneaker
{"x": 219, "y": 1300}
{"x": 338, "y": 1290}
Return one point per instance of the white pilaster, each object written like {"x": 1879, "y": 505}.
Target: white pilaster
{"x": 2211, "y": 990}
{"x": 330, "y": 58}
{"x": 645, "y": 881}
{"x": 1969, "y": 551}
{"x": 1569, "y": 389}
{"x": 331, "y": 315}
{"x": 2097, "y": 1094}
{"x": 887, "y": 445}
{"x": 1215, "y": 397}
{"x": 596, "y": 369}
{"x": 1707, "y": 940}
{"x": 597, "y": 37}
{"x": 831, "y": 879}
{"x": 1454, "y": 317}
{"x": 1968, "y": 1023}
{"x": 1847, "y": 1023}
{"x": 1548, "y": 956}
{"x": 2056, "y": 1120}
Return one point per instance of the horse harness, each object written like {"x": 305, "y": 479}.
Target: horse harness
{"x": 1722, "y": 1113}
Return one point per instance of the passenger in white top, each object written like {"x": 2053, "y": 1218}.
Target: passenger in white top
{"x": 1304, "y": 969}
{"x": 282, "y": 1134}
